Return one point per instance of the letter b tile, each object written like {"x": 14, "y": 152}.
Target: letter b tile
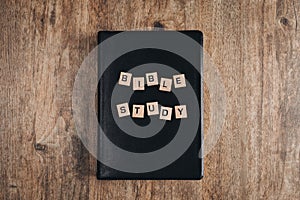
{"x": 125, "y": 78}
{"x": 152, "y": 78}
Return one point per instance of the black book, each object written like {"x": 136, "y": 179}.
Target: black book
{"x": 150, "y": 105}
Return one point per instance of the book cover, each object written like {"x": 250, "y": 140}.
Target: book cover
{"x": 150, "y": 105}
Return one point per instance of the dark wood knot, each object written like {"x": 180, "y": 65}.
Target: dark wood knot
{"x": 157, "y": 24}
{"x": 284, "y": 21}
{"x": 40, "y": 147}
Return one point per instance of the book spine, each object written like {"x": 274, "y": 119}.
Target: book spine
{"x": 100, "y": 100}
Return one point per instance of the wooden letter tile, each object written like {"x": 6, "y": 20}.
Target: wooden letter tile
{"x": 179, "y": 81}
{"x": 125, "y": 78}
{"x": 165, "y": 113}
{"x": 165, "y": 84}
{"x": 138, "y": 83}
{"x": 152, "y": 108}
{"x": 152, "y": 78}
{"x": 123, "y": 109}
{"x": 138, "y": 111}
{"x": 180, "y": 111}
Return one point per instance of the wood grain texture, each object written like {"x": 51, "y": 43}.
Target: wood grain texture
{"x": 255, "y": 44}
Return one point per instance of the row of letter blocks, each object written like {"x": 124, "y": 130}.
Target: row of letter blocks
{"x": 165, "y": 113}
{"x": 151, "y": 80}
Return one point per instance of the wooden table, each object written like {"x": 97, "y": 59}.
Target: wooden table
{"x": 254, "y": 44}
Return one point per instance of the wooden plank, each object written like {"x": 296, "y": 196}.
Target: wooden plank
{"x": 254, "y": 44}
